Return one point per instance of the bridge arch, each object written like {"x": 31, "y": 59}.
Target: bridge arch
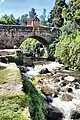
{"x": 38, "y": 38}
{"x": 41, "y": 44}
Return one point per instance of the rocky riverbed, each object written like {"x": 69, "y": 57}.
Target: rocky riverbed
{"x": 60, "y": 88}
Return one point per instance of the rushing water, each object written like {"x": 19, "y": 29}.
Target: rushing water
{"x": 67, "y": 107}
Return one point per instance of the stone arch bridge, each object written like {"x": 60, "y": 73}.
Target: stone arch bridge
{"x": 11, "y": 35}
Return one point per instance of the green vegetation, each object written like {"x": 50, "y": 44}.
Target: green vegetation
{"x": 36, "y": 106}
{"x": 7, "y": 19}
{"x": 14, "y": 108}
{"x": 73, "y": 11}
{"x": 29, "y": 44}
{"x": 10, "y": 74}
{"x": 36, "y": 101}
{"x": 32, "y": 46}
{"x": 20, "y": 107}
{"x": 28, "y": 106}
{"x": 51, "y": 51}
{"x": 68, "y": 49}
{"x": 17, "y": 58}
{"x": 56, "y": 14}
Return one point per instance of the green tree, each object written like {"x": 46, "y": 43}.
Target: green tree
{"x": 18, "y": 21}
{"x": 68, "y": 50}
{"x": 56, "y": 13}
{"x": 74, "y": 11}
{"x": 24, "y": 18}
{"x": 11, "y": 19}
{"x": 43, "y": 18}
{"x": 32, "y": 14}
{"x": 50, "y": 17}
{"x": 4, "y": 19}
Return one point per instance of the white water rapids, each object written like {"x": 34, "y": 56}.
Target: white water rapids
{"x": 66, "y": 107}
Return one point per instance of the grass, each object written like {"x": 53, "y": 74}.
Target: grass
{"x": 27, "y": 106}
{"x": 13, "y": 108}
{"x": 10, "y": 74}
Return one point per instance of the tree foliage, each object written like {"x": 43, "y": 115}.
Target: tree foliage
{"x": 68, "y": 48}
{"x": 24, "y": 18}
{"x": 56, "y": 14}
{"x": 11, "y": 19}
{"x": 5, "y": 19}
{"x": 73, "y": 12}
{"x": 43, "y": 18}
{"x": 33, "y": 47}
{"x": 32, "y": 14}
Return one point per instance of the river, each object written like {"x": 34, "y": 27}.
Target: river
{"x": 63, "y": 86}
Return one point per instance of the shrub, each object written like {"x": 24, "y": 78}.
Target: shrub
{"x": 68, "y": 50}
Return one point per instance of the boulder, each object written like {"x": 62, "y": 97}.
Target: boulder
{"x": 48, "y": 99}
{"x": 70, "y": 90}
{"x": 62, "y": 84}
{"x": 77, "y": 85}
{"x": 55, "y": 95}
{"x": 28, "y": 62}
{"x": 69, "y": 78}
{"x": 3, "y": 65}
{"x": 57, "y": 81}
{"x": 52, "y": 113}
{"x": 23, "y": 69}
{"x": 75, "y": 115}
{"x": 4, "y": 59}
{"x": 66, "y": 68}
{"x": 49, "y": 89}
{"x": 44, "y": 71}
{"x": 67, "y": 97}
{"x": 27, "y": 84}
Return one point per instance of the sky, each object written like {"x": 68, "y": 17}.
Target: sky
{"x": 19, "y": 7}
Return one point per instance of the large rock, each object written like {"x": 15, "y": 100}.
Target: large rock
{"x": 69, "y": 79}
{"x": 62, "y": 84}
{"x": 77, "y": 85}
{"x": 3, "y": 65}
{"x": 23, "y": 69}
{"x": 48, "y": 99}
{"x": 49, "y": 89}
{"x": 75, "y": 115}
{"x": 27, "y": 84}
{"x": 52, "y": 113}
{"x": 67, "y": 97}
{"x": 28, "y": 62}
{"x": 44, "y": 71}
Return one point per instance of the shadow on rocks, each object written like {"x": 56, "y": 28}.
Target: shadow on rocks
{"x": 52, "y": 113}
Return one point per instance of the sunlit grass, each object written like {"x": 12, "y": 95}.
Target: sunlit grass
{"x": 10, "y": 74}
{"x": 13, "y": 108}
